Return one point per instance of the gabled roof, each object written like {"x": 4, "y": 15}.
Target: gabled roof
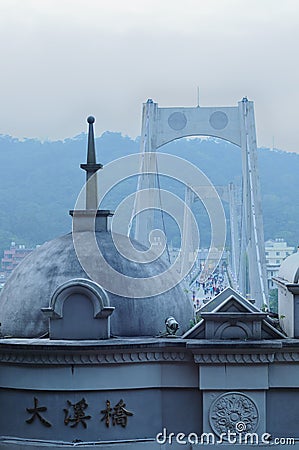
{"x": 231, "y": 309}
{"x": 224, "y": 297}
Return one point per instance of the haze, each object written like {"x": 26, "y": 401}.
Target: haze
{"x": 64, "y": 60}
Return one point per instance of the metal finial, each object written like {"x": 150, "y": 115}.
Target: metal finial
{"x": 91, "y": 119}
{"x": 91, "y": 152}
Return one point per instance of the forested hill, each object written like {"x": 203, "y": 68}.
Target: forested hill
{"x": 40, "y": 182}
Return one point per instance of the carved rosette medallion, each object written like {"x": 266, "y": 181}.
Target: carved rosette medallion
{"x": 233, "y": 412}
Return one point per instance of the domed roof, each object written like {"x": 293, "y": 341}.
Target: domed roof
{"x": 33, "y": 282}
{"x": 289, "y": 269}
{"x": 143, "y": 294}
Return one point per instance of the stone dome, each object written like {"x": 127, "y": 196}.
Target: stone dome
{"x": 33, "y": 282}
{"x": 289, "y": 269}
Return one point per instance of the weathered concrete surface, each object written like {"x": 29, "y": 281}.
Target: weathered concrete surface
{"x": 32, "y": 284}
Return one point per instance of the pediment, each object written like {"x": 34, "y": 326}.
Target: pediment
{"x": 229, "y": 299}
{"x": 231, "y": 316}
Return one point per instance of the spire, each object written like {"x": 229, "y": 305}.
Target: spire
{"x": 90, "y": 218}
{"x": 91, "y": 167}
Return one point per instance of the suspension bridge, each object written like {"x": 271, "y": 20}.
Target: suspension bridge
{"x": 235, "y": 124}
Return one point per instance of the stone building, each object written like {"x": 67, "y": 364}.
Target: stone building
{"x": 84, "y": 367}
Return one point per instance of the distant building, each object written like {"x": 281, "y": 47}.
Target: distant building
{"x": 276, "y": 251}
{"x": 11, "y": 259}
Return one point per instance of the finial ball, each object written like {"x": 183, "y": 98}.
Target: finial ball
{"x": 90, "y": 119}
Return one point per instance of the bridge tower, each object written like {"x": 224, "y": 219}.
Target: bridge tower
{"x": 236, "y": 125}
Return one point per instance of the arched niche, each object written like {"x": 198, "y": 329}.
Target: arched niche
{"x": 79, "y": 309}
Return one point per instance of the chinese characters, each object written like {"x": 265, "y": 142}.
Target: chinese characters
{"x": 78, "y": 413}
{"x": 75, "y": 414}
{"x": 119, "y": 414}
{"x": 35, "y": 411}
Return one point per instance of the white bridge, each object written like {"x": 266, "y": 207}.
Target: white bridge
{"x": 236, "y": 125}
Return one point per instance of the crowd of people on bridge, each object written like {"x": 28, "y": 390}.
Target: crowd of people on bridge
{"x": 208, "y": 289}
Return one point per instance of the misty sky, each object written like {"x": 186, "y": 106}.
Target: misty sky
{"x": 62, "y": 60}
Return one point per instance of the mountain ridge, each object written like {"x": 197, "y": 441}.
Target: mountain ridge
{"x": 40, "y": 181}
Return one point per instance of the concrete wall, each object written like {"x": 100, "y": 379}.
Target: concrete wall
{"x": 187, "y": 388}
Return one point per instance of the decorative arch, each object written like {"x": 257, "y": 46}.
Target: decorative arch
{"x": 79, "y": 320}
{"x": 96, "y": 294}
{"x": 241, "y": 330}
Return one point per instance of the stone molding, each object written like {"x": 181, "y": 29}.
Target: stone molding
{"x": 287, "y": 357}
{"x": 234, "y": 358}
{"x": 88, "y": 358}
{"x": 127, "y": 351}
{"x": 247, "y": 358}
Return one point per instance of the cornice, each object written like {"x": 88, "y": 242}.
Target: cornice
{"x": 287, "y": 357}
{"x": 234, "y": 358}
{"x": 45, "y": 352}
{"x": 92, "y": 358}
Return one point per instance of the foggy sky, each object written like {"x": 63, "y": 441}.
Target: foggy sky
{"x": 62, "y": 60}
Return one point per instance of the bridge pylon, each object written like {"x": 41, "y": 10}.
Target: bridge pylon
{"x": 235, "y": 124}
